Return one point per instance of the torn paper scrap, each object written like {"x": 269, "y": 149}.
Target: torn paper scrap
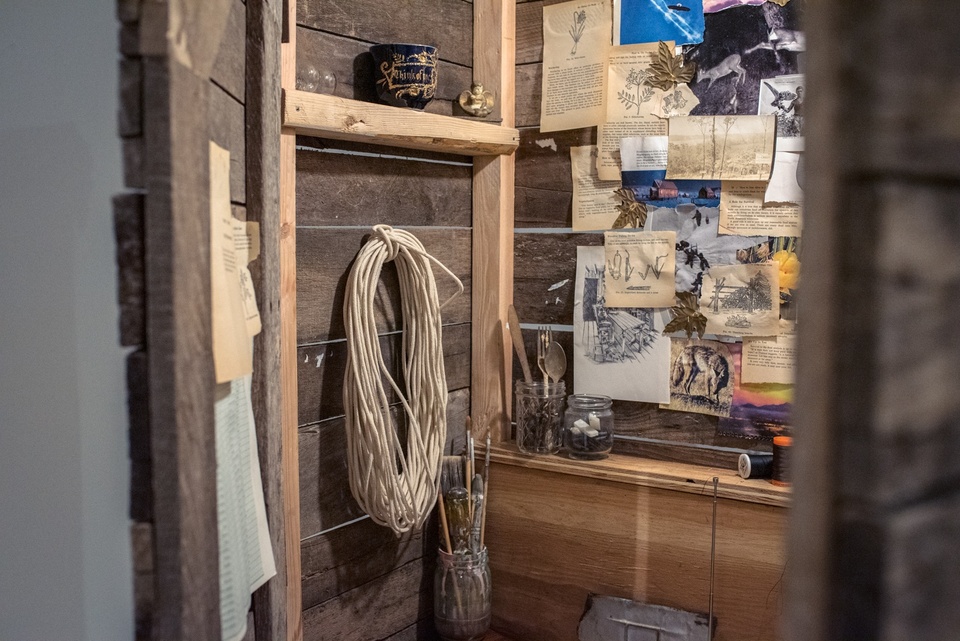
{"x": 630, "y": 103}
{"x": 782, "y": 97}
{"x": 742, "y": 300}
{"x": 232, "y": 349}
{"x": 743, "y": 212}
{"x": 643, "y": 153}
{"x": 769, "y": 360}
{"x": 594, "y": 200}
{"x": 786, "y": 181}
{"x": 640, "y": 268}
{"x": 576, "y": 37}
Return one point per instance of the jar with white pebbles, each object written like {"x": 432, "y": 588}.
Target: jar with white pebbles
{"x": 588, "y": 426}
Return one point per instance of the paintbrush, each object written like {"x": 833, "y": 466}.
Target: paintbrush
{"x": 451, "y": 473}
{"x": 479, "y": 501}
{"x": 458, "y": 512}
{"x": 443, "y": 523}
{"x": 468, "y": 464}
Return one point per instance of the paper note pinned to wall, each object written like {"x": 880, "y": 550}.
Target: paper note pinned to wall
{"x": 234, "y": 311}
{"x": 594, "y": 200}
{"x": 246, "y": 555}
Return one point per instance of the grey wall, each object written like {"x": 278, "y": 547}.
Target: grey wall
{"x": 64, "y": 550}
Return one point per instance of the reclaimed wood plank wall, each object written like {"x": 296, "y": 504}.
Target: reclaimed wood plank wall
{"x": 545, "y": 257}
{"x": 359, "y": 580}
{"x": 170, "y": 105}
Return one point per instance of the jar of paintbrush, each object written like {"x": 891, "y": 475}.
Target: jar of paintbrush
{"x": 461, "y": 597}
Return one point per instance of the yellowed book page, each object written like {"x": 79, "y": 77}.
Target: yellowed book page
{"x": 630, "y": 104}
{"x": 743, "y": 212}
{"x": 769, "y": 360}
{"x": 640, "y": 268}
{"x": 742, "y": 300}
{"x": 594, "y": 200}
{"x": 576, "y": 37}
{"x": 232, "y": 348}
{"x": 246, "y": 238}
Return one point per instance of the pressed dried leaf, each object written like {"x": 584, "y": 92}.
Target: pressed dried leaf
{"x": 668, "y": 69}
{"x": 687, "y": 316}
{"x": 633, "y": 213}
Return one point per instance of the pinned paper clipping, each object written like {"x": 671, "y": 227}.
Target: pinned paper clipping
{"x": 639, "y": 268}
{"x": 233, "y": 244}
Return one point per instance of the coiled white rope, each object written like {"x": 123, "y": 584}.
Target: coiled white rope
{"x": 396, "y": 490}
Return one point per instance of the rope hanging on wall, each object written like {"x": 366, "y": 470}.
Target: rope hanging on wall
{"x": 397, "y": 490}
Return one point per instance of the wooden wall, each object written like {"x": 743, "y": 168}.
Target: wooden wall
{"x": 557, "y": 537}
{"x": 215, "y": 79}
{"x": 876, "y": 529}
{"x": 545, "y": 259}
{"x": 359, "y": 580}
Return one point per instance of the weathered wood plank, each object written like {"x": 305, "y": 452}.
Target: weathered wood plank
{"x": 350, "y": 61}
{"x": 132, "y": 150}
{"x": 344, "y": 119}
{"x": 529, "y": 78}
{"x": 399, "y": 599}
{"x": 131, "y": 294}
{"x": 130, "y": 110}
{"x": 544, "y": 180}
{"x": 325, "y": 498}
{"x": 141, "y": 540}
{"x": 529, "y": 32}
{"x": 181, "y": 367}
{"x": 229, "y": 68}
{"x": 350, "y": 556}
{"x": 538, "y": 522}
{"x": 445, "y": 24}
{"x": 546, "y": 269}
{"x": 341, "y": 189}
{"x": 320, "y": 370}
{"x": 138, "y": 417}
{"x": 128, "y": 39}
{"x": 227, "y": 129}
{"x": 261, "y": 88}
{"x": 324, "y": 258}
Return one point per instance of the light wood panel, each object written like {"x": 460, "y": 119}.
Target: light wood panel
{"x": 494, "y": 39}
{"x": 344, "y": 119}
{"x": 288, "y": 331}
{"x": 555, "y": 538}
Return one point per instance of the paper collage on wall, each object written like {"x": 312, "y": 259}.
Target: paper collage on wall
{"x": 701, "y": 144}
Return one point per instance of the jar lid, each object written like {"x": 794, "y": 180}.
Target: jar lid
{"x": 589, "y": 401}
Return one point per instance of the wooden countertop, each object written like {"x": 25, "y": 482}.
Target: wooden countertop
{"x": 634, "y": 470}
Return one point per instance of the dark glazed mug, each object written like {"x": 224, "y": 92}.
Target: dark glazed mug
{"x": 406, "y": 74}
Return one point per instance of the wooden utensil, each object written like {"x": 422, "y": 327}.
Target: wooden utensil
{"x": 517, "y": 337}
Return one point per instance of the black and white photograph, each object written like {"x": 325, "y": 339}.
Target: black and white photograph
{"x": 742, "y": 46}
{"x": 783, "y": 97}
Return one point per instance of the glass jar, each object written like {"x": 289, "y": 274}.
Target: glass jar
{"x": 461, "y": 595}
{"x": 539, "y": 417}
{"x": 588, "y": 427}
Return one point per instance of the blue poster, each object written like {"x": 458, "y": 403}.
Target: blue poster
{"x": 655, "y": 20}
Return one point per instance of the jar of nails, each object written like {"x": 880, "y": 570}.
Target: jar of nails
{"x": 588, "y": 427}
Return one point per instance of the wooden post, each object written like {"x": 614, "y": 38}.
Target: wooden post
{"x": 288, "y": 331}
{"x": 494, "y": 56}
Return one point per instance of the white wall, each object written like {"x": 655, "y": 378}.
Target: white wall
{"x": 65, "y": 570}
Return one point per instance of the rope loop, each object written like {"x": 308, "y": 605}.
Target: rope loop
{"x": 395, "y": 483}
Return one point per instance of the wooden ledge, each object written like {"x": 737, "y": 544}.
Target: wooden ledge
{"x": 633, "y": 470}
{"x": 343, "y": 119}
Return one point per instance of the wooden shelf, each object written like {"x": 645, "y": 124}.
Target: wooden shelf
{"x": 633, "y": 470}
{"x": 343, "y": 119}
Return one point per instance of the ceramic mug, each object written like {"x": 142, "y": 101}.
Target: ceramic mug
{"x": 406, "y": 74}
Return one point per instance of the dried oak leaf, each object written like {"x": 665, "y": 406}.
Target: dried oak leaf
{"x": 780, "y": 2}
{"x": 687, "y": 316}
{"x": 669, "y": 70}
{"x": 633, "y": 213}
